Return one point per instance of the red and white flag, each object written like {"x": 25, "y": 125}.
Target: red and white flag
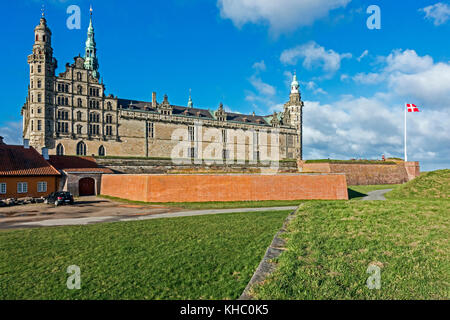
{"x": 412, "y": 107}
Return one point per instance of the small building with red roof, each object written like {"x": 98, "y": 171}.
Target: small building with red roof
{"x": 25, "y": 173}
{"x": 81, "y": 176}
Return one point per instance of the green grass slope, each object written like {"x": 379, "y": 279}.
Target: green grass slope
{"x": 429, "y": 185}
{"x": 331, "y": 244}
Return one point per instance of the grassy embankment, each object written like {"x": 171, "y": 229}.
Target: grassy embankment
{"x": 330, "y": 246}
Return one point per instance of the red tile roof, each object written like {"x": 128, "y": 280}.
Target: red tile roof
{"x": 18, "y": 161}
{"x": 77, "y": 164}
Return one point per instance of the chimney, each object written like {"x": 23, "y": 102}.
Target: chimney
{"x": 45, "y": 154}
{"x": 26, "y": 143}
{"x": 1, "y": 140}
{"x": 153, "y": 99}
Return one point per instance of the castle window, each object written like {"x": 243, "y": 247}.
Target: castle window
{"x": 79, "y": 76}
{"x": 151, "y": 130}
{"x": 80, "y": 102}
{"x": 32, "y": 69}
{"x": 109, "y": 130}
{"x": 191, "y": 133}
{"x": 37, "y": 37}
{"x": 94, "y": 117}
{"x": 39, "y": 83}
{"x": 290, "y": 141}
{"x": 22, "y": 187}
{"x": 191, "y": 152}
{"x": 81, "y": 149}
{"x": 101, "y": 151}
{"x": 60, "y": 150}
{"x": 109, "y": 118}
{"x": 79, "y": 129}
{"x": 32, "y": 125}
{"x": 63, "y": 115}
{"x": 80, "y": 89}
{"x": 67, "y": 101}
{"x": 63, "y": 127}
{"x": 109, "y": 106}
{"x": 224, "y": 154}
{"x": 94, "y": 129}
{"x": 66, "y": 88}
{"x": 224, "y": 135}
{"x": 43, "y": 38}
{"x": 39, "y": 110}
{"x": 39, "y": 97}
{"x": 79, "y": 116}
{"x": 39, "y": 125}
{"x": 39, "y": 68}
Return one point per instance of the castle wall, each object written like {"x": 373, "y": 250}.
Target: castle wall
{"x": 367, "y": 174}
{"x": 200, "y": 188}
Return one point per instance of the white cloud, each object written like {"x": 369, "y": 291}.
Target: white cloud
{"x": 431, "y": 87}
{"x": 439, "y": 13}
{"x": 314, "y": 55}
{"x": 412, "y": 77}
{"x": 280, "y": 15}
{"x": 364, "y": 54}
{"x": 407, "y": 61}
{"x": 262, "y": 87}
{"x": 12, "y": 132}
{"x": 314, "y": 88}
{"x": 259, "y": 66}
{"x": 369, "y": 78}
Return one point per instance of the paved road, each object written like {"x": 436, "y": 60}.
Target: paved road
{"x": 91, "y": 220}
{"x": 377, "y": 195}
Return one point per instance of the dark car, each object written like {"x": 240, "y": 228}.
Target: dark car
{"x": 59, "y": 198}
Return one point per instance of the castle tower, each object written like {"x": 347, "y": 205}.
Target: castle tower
{"x": 190, "y": 103}
{"x": 294, "y": 112}
{"x": 38, "y": 111}
{"x": 90, "y": 53}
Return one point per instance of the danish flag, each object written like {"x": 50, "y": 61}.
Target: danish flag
{"x": 412, "y": 107}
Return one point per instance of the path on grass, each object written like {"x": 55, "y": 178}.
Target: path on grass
{"x": 91, "y": 220}
{"x": 376, "y": 195}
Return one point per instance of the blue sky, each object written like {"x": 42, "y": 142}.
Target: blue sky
{"x": 354, "y": 81}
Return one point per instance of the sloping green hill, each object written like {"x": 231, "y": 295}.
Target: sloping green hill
{"x": 429, "y": 185}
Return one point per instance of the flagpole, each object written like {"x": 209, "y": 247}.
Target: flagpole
{"x": 406, "y": 154}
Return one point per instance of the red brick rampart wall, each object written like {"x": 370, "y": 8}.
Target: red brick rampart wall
{"x": 231, "y": 187}
{"x": 367, "y": 174}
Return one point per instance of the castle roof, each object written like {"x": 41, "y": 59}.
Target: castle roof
{"x": 135, "y": 105}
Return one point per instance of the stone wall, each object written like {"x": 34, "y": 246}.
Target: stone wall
{"x": 225, "y": 187}
{"x": 367, "y": 174}
{"x": 150, "y": 166}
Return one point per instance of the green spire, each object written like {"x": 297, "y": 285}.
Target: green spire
{"x": 190, "y": 103}
{"x": 90, "y": 54}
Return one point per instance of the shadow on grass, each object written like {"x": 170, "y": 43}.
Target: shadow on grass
{"x": 353, "y": 194}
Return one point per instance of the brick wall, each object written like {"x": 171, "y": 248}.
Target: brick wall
{"x": 367, "y": 174}
{"x": 239, "y": 187}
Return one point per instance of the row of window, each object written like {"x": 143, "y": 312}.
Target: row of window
{"x": 94, "y": 129}
{"x": 81, "y": 149}
{"x": 93, "y": 117}
{"x": 22, "y": 187}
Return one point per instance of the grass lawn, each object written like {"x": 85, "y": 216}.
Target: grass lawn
{"x": 203, "y": 257}
{"x": 331, "y": 244}
{"x": 213, "y": 204}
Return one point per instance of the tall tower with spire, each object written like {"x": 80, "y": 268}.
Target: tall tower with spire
{"x": 90, "y": 53}
{"x": 293, "y": 111}
{"x": 39, "y": 109}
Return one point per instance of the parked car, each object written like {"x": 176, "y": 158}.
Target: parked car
{"x": 59, "y": 198}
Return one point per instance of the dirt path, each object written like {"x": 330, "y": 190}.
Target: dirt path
{"x": 376, "y": 195}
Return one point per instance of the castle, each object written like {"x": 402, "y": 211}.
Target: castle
{"x": 70, "y": 114}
